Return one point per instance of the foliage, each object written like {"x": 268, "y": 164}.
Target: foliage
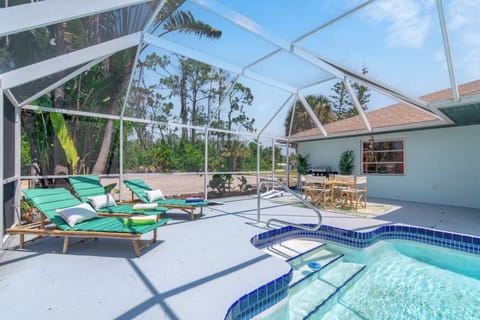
{"x": 342, "y": 101}
{"x": 65, "y": 140}
{"x": 244, "y": 185}
{"x": 228, "y": 181}
{"x": 184, "y": 22}
{"x": 25, "y": 151}
{"x": 337, "y": 106}
{"x": 217, "y": 183}
{"x": 346, "y": 163}
{"x": 302, "y": 121}
{"x": 302, "y": 165}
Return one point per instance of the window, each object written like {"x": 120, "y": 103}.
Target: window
{"x": 383, "y": 157}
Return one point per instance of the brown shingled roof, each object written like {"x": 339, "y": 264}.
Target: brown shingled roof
{"x": 395, "y": 115}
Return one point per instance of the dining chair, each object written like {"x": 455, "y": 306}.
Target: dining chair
{"x": 321, "y": 194}
{"x": 357, "y": 194}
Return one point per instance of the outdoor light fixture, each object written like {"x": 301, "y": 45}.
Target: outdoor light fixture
{"x": 371, "y": 147}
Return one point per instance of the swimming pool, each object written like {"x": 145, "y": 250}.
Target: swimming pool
{"x": 448, "y": 267}
{"x": 401, "y": 280}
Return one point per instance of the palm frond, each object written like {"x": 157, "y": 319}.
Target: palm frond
{"x": 183, "y": 21}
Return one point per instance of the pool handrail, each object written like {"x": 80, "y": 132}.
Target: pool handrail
{"x": 283, "y": 222}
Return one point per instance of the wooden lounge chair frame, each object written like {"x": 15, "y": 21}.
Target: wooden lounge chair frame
{"x": 45, "y": 228}
{"x": 190, "y": 209}
{"x": 39, "y": 232}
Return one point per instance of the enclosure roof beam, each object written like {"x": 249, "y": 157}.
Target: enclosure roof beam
{"x": 382, "y": 88}
{"x": 317, "y": 82}
{"x": 243, "y": 22}
{"x": 275, "y": 115}
{"x": 176, "y": 48}
{"x": 44, "y": 68}
{"x": 312, "y": 114}
{"x": 335, "y": 20}
{"x": 71, "y": 112}
{"x": 448, "y": 52}
{"x": 310, "y": 57}
{"x": 357, "y": 104}
{"x": 137, "y": 120}
{"x": 39, "y": 14}
{"x": 63, "y": 80}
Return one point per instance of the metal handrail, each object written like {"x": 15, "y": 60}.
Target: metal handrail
{"x": 305, "y": 202}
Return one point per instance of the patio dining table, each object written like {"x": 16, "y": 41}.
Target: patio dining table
{"x": 333, "y": 193}
{"x": 336, "y": 188}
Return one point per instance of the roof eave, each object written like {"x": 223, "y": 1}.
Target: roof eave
{"x": 377, "y": 130}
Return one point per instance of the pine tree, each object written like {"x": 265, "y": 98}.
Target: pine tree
{"x": 342, "y": 102}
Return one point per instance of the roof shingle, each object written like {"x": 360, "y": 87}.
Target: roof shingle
{"x": 391, "y": 116}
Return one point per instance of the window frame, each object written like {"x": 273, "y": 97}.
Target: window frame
{"x": 402, "y": 163}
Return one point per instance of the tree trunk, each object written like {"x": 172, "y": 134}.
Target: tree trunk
{"x": 102, "y": 157}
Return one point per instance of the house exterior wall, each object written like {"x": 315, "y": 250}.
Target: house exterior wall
{"x": 442, "y": 165}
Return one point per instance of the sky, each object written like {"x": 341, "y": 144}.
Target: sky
{"x": 399, "y": 42}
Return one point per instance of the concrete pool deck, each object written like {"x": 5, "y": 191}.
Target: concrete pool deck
{"x": 196, "y": 270}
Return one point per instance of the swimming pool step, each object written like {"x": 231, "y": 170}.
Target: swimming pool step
{"x": 293, "y": 248}
{"x": 300, "y": 305}
{"x": 341, "y": 273}
{"x": 338, "y": 311}
{"x": 310, "y": 294}
{"x": 301, "y": 268}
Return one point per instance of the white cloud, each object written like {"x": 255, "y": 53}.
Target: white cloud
{"x": 408, "y": 21}
{"x": 463, "y": 24}
{"x": 462, "y": 13}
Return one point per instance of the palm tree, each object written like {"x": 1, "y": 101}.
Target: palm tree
{"x": 302, "y": 121}
{"x": 180, "y": 21}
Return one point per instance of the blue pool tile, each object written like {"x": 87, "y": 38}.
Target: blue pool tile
{"x": 235, "y": 311}
{"x": 438, "y": 234}
{"x": 243, "y": 303}
{"x": 252, "y": 298}
{"x": 467, "y": 239}
{"x": 457, "y": 237}
{"x": 262, "y": 293}
{"x": 279, "y": 284}
{"x": 271, "y": 288}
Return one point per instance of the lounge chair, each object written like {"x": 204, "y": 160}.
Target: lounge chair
{"x": 138, "y": 187}
{"x": 51, "y": 224}
{"x": 89, "y": 186}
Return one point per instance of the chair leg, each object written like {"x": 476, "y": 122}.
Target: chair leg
{"x": 22, "y": 241}
{"x": 65, "y": 244}
{"x": 136, "y": 248}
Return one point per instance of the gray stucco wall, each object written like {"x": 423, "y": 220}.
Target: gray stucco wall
{"x": 441, "y": 165}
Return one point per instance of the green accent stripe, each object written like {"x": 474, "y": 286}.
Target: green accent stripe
{"x": 128, "y": 209}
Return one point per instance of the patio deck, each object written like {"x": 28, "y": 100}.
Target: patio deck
{"x": 196, "y": 270}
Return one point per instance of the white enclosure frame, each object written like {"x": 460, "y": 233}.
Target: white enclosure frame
{"x": 37, "y": 14}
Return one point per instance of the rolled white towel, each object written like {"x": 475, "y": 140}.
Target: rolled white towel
{"x": 145, "y": 206}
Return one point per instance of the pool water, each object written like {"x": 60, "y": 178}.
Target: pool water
{"x": 401, "y": 280}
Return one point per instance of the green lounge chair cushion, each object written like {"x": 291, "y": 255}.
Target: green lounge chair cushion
{"x": 138, "y": 187}
{"x": 88, "y": 186}
{"x": 48, "y": 200}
